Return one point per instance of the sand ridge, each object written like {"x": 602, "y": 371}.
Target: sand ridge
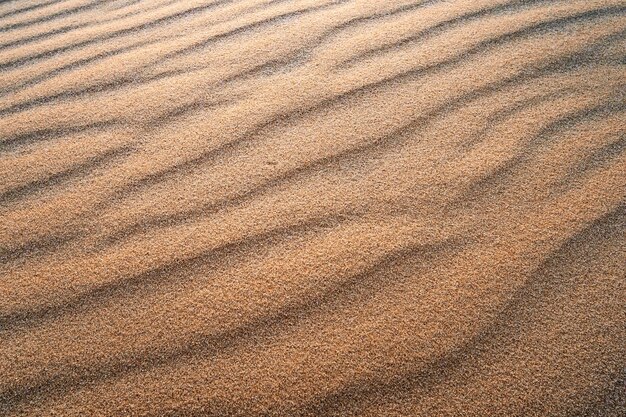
{"x": 313, "y": 207}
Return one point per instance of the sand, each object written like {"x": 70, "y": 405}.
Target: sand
{"x": 313, "y": 208}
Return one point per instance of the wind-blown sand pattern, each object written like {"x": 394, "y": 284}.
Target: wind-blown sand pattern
{"x": 313, "y": 207}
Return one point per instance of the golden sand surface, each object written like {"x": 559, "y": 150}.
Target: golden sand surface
{"x": 313, "y": 208}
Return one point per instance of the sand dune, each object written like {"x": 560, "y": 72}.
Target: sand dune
{"x": 313, "y": 207}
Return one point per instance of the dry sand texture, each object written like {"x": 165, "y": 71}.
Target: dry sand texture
{"x": 313, "y": 208}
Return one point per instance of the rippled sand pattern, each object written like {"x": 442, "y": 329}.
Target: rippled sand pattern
{"x": 313, "y": 208}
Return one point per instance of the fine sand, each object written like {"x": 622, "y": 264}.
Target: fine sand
{"x": 313, "y": 208}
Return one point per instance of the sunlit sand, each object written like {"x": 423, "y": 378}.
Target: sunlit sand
{"x": 313, "y": 208}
